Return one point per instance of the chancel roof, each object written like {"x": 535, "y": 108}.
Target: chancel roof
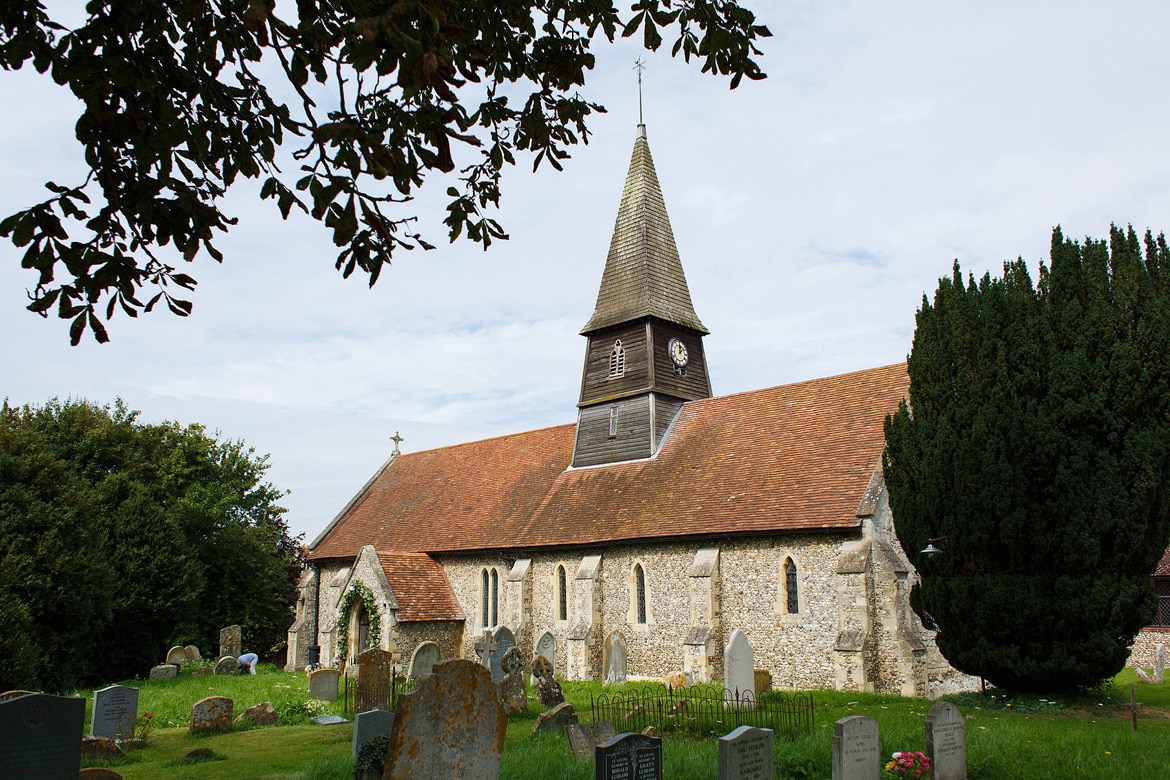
{"x": 420, "y": 587}
{"x": 785, "y": 459}
{"x": 643, "y": 275}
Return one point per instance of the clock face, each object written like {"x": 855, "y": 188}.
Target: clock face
{"x": 678, "y": 352}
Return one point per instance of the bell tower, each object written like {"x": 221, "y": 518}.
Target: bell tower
{"x": 644, "y": 357}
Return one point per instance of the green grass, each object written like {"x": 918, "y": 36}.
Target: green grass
{"x": 1086, "y": 736}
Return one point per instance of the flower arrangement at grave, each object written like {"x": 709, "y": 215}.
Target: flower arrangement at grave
{"x": 909, "y": 764}
{"x": 358, "y": 590}
{"x": 145, "y": 725}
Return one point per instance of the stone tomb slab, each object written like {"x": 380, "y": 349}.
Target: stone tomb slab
{"x": 747, "y": 753}
{"x": 40, "y": 737}
{"x": 164, "y": 672}
{"x": 375, "y": 677}
{"x": 451, "y": 725}
{"x": 857, "y": 749}
{"x": 115, "y": 712}
{"x": 585, "y": 737}
{"x": 369, "y": 724}
{"x": 323, "y": 684}
{"x": 629, "y": 757}
{"x": 946, "y": 742}
{"x": 212, "y": 715}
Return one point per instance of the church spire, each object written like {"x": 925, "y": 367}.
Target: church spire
{"x": 643, "y": 274}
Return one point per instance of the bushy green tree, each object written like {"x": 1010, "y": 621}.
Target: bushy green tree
{"x": 120, "y": 539}
{"x": 182, "y": 98}
{"x": 1036, "y": 444}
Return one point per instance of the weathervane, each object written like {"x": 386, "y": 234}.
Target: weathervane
{"x": 397, "y": 440}
{"x": 639, "y": 66}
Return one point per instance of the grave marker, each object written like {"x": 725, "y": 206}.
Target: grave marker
{"x": 369, "y": 724}
{"x": 946, "y": 742}
{"x": 323, "y": 684}
{"x": 585, "y": 737}
{"x": 177, "y": 655}
{"x": 615, "y": 659}
{"x": 504, "y": 640}
{"x": 115, "y": 712}
{"x": 230, "y": 640}
{"x": 226, "y": 665}
{"x": 211, "y": 715}
{"x": 547, "y": 647}
{"x": 193, "y": 653}
{"x": 630, "y": 757}
{"x": 1160, "y": 664}
{"x": 374, "y": 680}
{"x": 739, "y": 667}
{"x": 747, "y": 754}
{"x": 424, "y": 659}
{"x": 857, "y": 749}
{"x": 164, "y": 672}
{"x": 40, "y": 737}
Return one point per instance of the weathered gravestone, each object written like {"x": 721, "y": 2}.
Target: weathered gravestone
{"x": 629, "y": 757}
{"x": 451, "y": 725}
{"x": 369, "y": 724}
{"x": 504, "y": 640}
{"x": 262, "y": 714}
{"x": 546, "y": 647}
{"x": 323, "y": 684}
{"x": 514, "y": 685}
{"x": 192, "y": 653}
{"x": 739, "y": 668}
{"x": 946, "y": 742}
{"x": 374, "y": 679}
{"x": 13, "y": 694}
{"x": 747, "y": 754}
{"x": 585, "y": 737}
{"x": 1160, "y": 665}
{"x": 230, "y": 641}
{"x": 614, "y": 659}
{"x": 857, "y": 749}
{"x": 424, "y": 659}
{"x": 177, "y": 655}
{"x": 164, "y": 672}
{"x": 211, "y": 716}
{"x": 40, "y": 737}
{"x": 556, "y": 719}
{"x": 227, "y": 665}
{"x": 115, "y": 712}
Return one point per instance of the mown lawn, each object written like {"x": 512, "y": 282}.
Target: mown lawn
{"x": 1007, "y": 738}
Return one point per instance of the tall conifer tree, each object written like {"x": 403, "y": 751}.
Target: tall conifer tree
{"x": 1035, "y": 449}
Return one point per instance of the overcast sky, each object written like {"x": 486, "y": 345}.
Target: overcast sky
{"x": 812, "y": 211}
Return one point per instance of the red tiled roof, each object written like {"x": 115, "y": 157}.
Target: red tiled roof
{"x": 791, "y": 458}
{"x": 1163, "y": 569}
{"x": 420, "y": 586}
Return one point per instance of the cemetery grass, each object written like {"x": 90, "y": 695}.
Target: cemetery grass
{"x": 1087, "y": 736}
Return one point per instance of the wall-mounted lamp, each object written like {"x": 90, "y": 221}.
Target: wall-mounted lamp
{"x": 933, "y": 549}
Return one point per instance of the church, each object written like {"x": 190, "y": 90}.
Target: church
{"x": 632, "y": 543}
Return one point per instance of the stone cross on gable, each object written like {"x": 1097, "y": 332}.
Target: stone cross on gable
{"x": 486, "y": 646}
{"x": 397, "y": 439}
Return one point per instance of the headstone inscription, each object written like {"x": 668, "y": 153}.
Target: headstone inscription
{"x": 176, "y": 655}
{"x": 585, "y": 737}
{"x": 424, "y": 659}
{"x": 629, "y": 757}
{"x": 323, "y": 684}
{"x": 739, "y": 668}
{"x": 614, "y": 659}
{"x": 504, "y": 641}
{"x": 230, "y": 641}
{"x": 946, "y": 742}
{"x": 374, "y": 680}
{"x": 211, "y": 715}
{"x": 451, "y": 725}
{"x": 369, "y": 724}
{"x": 115, "y": 712}
{"x": 40, "y": 737}
{"x": 747, "y": 754}
{"x": 546, "y": 646}
{"x": 857, "y": 749}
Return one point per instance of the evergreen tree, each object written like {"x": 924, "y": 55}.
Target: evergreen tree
{"x": 1036, "y": 444}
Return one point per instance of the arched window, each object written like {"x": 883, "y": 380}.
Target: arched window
{"x": 617, "y": 360}
{"x": 562, "y": 594}
{"x": 483, "y": 598}
{"x": 495, "y": 598}
{"x": 640, "y": 582}
{"x": 790, "y": 586}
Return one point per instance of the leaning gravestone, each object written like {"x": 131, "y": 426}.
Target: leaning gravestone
{"x": 556, "y": 719}
{"x": 614, "y": 659}
{"x": 946, "y": 742}
{"x": 177, "y": 655}
{"x": 369, "y": 724}
{"x": 424, "y": 659}
{"x": 857, "y": 749}
{"x": 585, "y": 737}
{"x": 115, "y": 712}
{"x": 227, "y": 665}
{"x": 630, "y": 757}
{"x": 40, "y": 737}
{"x": 374, "y": 680}
{"x": 451, "y": 725}
{"x": 211, "y": 715}
{"x": 323, "y": 684}
{"x": 230, "y": 641}
{"x": 739, "y": 668}
{"x": 747, "y": 754}
{"x": 504, "y": 640}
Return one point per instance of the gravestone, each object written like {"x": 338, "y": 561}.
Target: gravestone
{"x": 13, "y": 694}
{"x": 556, "y": 718}
{"x": 1160, "y": 665}
{"x": 323, "y": 684}
{"x": 504, "y": 640}
{"x": 484, "y": 647}
{"x": 115, "y": 712}
{"x": 164, "y": 672}
{"x": 946, "y": 742}
{"x": 514, "y": 685}
{"x": 374, "y": 679}
{"x": 328, "y": 720}
{"x": 546, "y": 647}
{"x": 614, "y": 659}
{"x": 262, "y": 714}
{"x": 192, "y": 653}
{"x": 227, "y": 665}
{"x": 739, "y": 667}
{"x": 629, "y": 757}
{"x": 177, "y": 655}
{"x": 585, "y": 737}
{"x": 857, "y": 749}
{"x": 424, "y": 659}
{"x": 212, "y": 715}
{"x": 747, "y": 754}
{"x": 230, "y": 641}
{"x": 369, "y": 724}
{"x": 451, "y": 725}
{"x": 40, "y": 737}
